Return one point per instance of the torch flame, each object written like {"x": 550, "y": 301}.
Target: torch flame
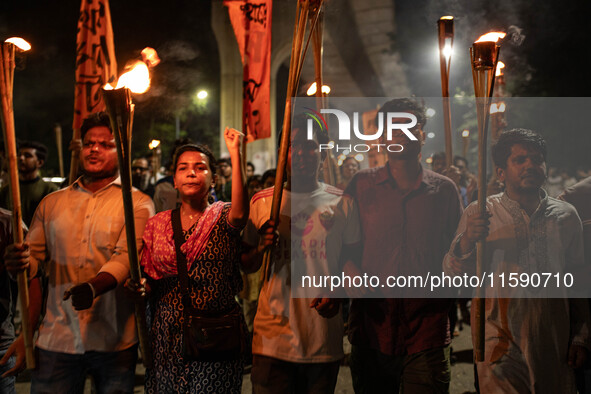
{"x": 313, "y": 88}
{"x": 447, "y": 50}
{"x": 137, "y": 79}
{"x": 493, "y": 36}
{"x": 19, "y": 43}
{"x": 466, "y": 133}
{"x": 154, "y": 144}
{"x": 150, "y": 57}
{"x": 500, "y": 66}
{"x": 494, "y": 108}
{"x": 447, "y": 17}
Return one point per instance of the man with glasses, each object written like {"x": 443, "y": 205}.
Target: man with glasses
{"x": 140, "y": 176}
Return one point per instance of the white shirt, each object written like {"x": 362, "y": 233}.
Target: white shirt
{"x": 285, "y": 327}
{"x": 75, "y": 234}
{"x": 527, "y": 339}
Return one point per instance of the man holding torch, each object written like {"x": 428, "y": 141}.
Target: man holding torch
{"x": 297, "y": 342}
{"x": 408, "y": 215}
{"x": 531, "y": 344}
{"x": 77, "y": 238}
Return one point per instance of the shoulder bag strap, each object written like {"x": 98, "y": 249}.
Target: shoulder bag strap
{"x": 181, "y": 259}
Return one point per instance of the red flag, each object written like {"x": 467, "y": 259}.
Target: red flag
{"x": 95, "y": 58}
{"x": 251, "y": 20}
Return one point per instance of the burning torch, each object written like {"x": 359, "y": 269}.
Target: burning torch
{"x": 305, "y": 9}
{"x": 120, "y": 109}
{"x": 7, "y": 65}
{"x": 484, "y": 55}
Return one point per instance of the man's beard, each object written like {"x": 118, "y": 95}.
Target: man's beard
{"x": 100, "y": 174}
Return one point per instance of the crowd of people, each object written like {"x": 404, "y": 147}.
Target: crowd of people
{"x": 219, "y": 273}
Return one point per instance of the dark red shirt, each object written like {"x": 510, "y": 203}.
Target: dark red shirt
{"x": 403, "y": 234}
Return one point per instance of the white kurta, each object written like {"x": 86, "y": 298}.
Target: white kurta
{"x": 527, "y": 339}
{"x": 76, "y": 234}
{"x": 286, "y": 327}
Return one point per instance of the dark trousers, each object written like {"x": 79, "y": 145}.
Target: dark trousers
{"x": 424, "y": 372}
{"x": 271, "y": 375}
{"x": 7, "y": 383}
{"x": 112, "y": 372}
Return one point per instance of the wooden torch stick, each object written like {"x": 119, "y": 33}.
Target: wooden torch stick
{"x": 295, "y": 67}
{"x": 75, "y": 160}
{"x": 6, "y": 81}
{"x": 58, "y": 141}
{"x": 120, "y": 110}
{"x": 484, "y": 56}
{"x": 445, "y": 26}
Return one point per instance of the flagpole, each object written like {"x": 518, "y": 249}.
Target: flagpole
{"x": 57, "y": 129}
{"x": 245, "y": 106}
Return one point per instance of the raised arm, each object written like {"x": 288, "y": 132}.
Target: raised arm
{"x": 239, "y": 211}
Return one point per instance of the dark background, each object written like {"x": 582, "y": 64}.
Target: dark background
{"x": 546, "y": 53}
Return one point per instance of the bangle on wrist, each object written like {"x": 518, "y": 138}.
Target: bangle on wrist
{"x": 92, "y": 289}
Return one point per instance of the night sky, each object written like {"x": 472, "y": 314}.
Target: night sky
{"x": 548, "y": 56}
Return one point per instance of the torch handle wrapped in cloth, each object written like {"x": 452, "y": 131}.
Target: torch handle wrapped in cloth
{"x": 7, "y": 64}
{"x": 120, "y": 109}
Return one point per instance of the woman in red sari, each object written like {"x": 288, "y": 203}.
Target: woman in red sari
{"x": 212, "y": 248}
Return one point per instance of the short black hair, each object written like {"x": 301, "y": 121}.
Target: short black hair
{"x": 501, "y": 150}
{"x": 300, "y": 122}
{"x": 271, "y": 173}
{"x": 254, "y": 178}
{"x": 405, "y": 105}
{"x": 95, "y": 120}
{"x": 458, "y": 158}
{"x": 438, "y": 156}
{"x": 194, "y": 148}
{"x": 224, "y": 161}
{"x": 248, "y": 163}
{"x": 346, "y": 160}
{"x": 177, "y": 144}
{"x": 40, "y": 149}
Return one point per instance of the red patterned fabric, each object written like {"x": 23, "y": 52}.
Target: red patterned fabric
{"x": 159, "y": 254}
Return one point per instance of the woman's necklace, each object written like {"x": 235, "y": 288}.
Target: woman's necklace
{"x": 193, "y": 218}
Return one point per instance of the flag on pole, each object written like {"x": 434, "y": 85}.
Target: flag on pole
{"x": 251, "y": 20}
{"x": 95, "y": 58}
